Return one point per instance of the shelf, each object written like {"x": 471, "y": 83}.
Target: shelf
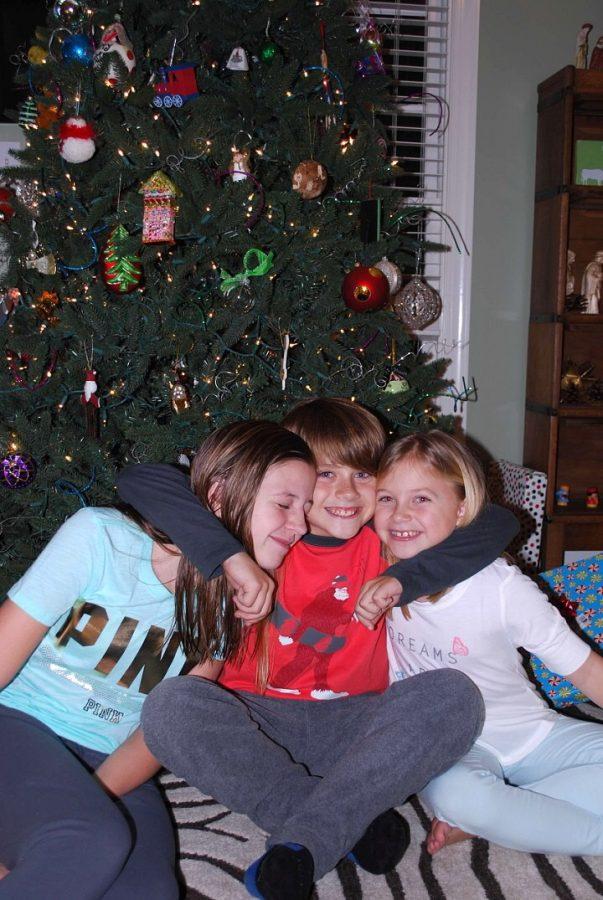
{"x": 586, "y": 196}
{"x": 580, "y": 412}
{"x": 576, "y": 513}
{"x": 582, "y": 319}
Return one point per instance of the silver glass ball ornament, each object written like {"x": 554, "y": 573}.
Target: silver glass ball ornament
{"x": 417, "y": 304}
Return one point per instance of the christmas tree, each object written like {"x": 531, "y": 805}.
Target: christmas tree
{"x": 199, "y": 181}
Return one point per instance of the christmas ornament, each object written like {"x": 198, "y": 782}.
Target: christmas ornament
{"x": 122, "y": 272}
{"x": 28, "y": 113}
{"x": 48, "y": 114}
{"x": 263, "y": 264}
{"x": 77, "y": 48}
{"x": 592, "y": 498}
{"x": 27, "y": 194}
{"x": 45, "y": 305}
{"x": 18, "y": 363}
{"x": 372, "y": 63}
{"x": 176, "y": 86}
{"x": 8, "y": 300}
{"x": 396, "y": 384}
{"x": 45, "y": 264}
{"x": 237, "y": 61}
{"x": 180, "y": 395}
{"x": 392, "y": 273}
{"x": 37, "y": 56}
{"x": 5, "y": 257}
{"x": 159, "y": 214}
{"x": 309, "y": 179}
{"x": 7, "y": 209}
{"x": 268, "y": 52}
{"x": 69, "y": 13}
{"x": 90, "y": 400}
{"x": 562, "y": 495}
{"x": 115, "y": 44}
{"x": 76, "y": 140}
{"x": 17, "y": 470}
{"x": 240, "y": 165}
{"x": 365, "y": 289}
{"x": 417, "y": 304}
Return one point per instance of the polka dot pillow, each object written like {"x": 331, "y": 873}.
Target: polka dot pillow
{"x": 523, "y": 491}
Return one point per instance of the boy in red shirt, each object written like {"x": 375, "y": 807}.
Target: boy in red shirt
{"x": 317, "y": 776}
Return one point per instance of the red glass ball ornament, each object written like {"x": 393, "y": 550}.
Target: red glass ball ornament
{"x": 365, "y": 289}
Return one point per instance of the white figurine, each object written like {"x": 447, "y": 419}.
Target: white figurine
{"x": 592, "y": 284}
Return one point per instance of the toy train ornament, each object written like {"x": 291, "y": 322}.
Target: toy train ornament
{"x": 175, "y": 86}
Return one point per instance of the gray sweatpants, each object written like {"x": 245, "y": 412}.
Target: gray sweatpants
{"x": 313, "y": 772}
{"x": 63, "y": 837}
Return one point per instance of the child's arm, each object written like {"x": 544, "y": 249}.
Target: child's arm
{"x": 589, "y": 678}
{"x": 20, "y": 634}
{"x": 463, "y": 553}
{"x": 132, "y": 763}
{"x": 162, "y": 494}
{"x": 127, "y": 767}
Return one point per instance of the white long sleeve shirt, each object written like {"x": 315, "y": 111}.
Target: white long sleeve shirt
{"x": 477, "y": 627}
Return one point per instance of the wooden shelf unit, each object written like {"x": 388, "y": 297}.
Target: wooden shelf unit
{"x": 562, "y": 439}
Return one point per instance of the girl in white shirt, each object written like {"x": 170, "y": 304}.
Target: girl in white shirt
{"x": 534, "y": 779}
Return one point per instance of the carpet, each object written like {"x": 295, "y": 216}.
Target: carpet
{"x": 216, "y": 846}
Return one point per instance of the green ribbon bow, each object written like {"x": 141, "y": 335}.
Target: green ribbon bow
{"x": 263, "y": 264}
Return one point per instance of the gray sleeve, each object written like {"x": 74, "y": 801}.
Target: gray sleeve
{"x": 162, "y": 494}
{"x": 466, "y": 551}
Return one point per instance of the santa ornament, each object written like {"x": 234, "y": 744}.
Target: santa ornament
{"x": 76, "y": 140}
{"x": 90, "y": 400}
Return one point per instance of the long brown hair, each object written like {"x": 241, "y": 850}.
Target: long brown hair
{"x": 226, "y": 474}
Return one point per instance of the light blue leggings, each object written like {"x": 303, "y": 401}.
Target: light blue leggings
{"x": 551, "y": 801}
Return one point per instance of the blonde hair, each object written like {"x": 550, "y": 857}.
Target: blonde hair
{"x": 229, "y": 469}
{"x": 340, "y": 431}
{"x": 450, "y": 459}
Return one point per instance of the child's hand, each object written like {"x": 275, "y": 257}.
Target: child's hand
{"x": 376, "y": 597}
{"x": 253, "y": 588}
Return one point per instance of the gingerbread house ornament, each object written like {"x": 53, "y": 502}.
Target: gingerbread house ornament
{"x": 160, "y": 208}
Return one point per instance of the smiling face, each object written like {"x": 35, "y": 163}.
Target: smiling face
{"x": 279, "y": 513}
{"x": 344, "y": 501}
{"x": 416, "y": 507}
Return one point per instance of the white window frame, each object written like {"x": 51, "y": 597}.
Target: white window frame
{"x": 449, "y": 336}
{"x": 458, "y": 195}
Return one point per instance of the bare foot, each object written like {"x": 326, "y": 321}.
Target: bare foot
{"x": 3, "y": 871}
{"x": 442, "y": 835}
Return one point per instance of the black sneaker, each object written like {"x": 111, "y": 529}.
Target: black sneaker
{"x": 383, "y": 844}
{"x": 285, "y": 872}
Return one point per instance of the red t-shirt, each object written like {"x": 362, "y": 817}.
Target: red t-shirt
{"x": 317, "y": 650}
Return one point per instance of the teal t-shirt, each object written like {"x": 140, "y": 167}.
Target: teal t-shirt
{"x": 111, "y": 635}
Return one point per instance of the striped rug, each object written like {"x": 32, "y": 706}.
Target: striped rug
{"x": 216, "y": 846}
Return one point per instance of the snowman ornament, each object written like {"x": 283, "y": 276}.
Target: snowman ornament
{"x": 76, "y": 140}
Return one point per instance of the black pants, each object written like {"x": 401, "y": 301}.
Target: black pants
{"x": 63, "y": 837}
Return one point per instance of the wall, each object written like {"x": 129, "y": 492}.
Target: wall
{"x": 522, "y": 42}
